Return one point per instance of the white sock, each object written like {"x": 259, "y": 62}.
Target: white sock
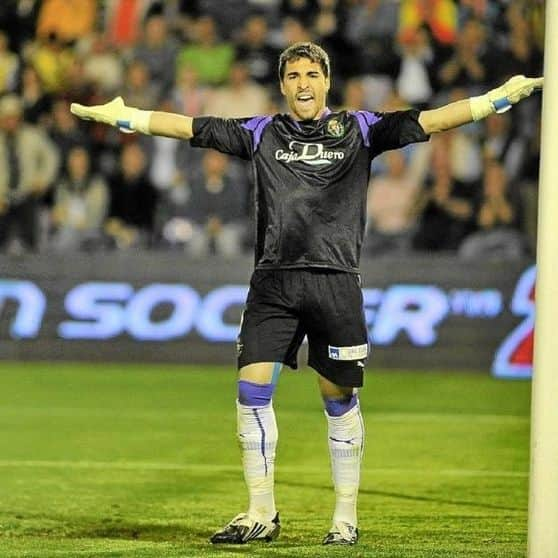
{"x": 257, "y": 435}
{"x": 346, "y": 444}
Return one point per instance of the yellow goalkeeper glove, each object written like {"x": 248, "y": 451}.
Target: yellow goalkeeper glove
{"x": 502, "y": 98}
{"x": 115, "y": 113}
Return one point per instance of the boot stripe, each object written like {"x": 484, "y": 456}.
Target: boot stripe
{"x": 255, "y": 531}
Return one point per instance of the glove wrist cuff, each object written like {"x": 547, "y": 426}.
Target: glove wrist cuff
{"x": 481, "y": 107}
{"x": 141, "y": 120}
{"x": 135, "y": 120}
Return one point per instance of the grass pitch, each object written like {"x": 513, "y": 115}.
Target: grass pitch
{"x": 141, "y": 461}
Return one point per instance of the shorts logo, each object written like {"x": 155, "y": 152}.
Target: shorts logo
{"x": 354, "y": 352}
{"x": 335, "y": 128}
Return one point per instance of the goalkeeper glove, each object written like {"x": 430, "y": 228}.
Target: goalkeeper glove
{"x": 502, "y": 98}
{"x": 115, "y": 113}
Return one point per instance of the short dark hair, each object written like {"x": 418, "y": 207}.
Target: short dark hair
{"x": 312, "y": 51}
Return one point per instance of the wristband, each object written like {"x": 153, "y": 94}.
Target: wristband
{"x": 135, "y": 120}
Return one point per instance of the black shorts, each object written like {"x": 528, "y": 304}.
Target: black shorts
{"x": 284, "y": 305}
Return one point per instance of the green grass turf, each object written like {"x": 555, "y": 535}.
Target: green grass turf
{"x": 125, "y": 460}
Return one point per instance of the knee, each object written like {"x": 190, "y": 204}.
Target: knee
{"x": 339, "y": 406}
{"x": 254, "y": 395}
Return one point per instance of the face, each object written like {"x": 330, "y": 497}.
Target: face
{"x": 215, "y": 163}
{"x": 78, "y": 162}
{"x": 132, "y": 160}
{"x": 256, "y": 30}
{"x": 305, "y": 88}
{"x": 138, "y": 75}
{"x": 156, "y": 30}
{"x": 10, "y": 123}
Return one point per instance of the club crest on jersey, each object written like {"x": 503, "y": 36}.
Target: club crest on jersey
{"x": 313, "y": 154}
{"x": 335, "y": 128}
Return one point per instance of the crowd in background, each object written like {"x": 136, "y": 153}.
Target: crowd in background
{"x": 72, "y": 185}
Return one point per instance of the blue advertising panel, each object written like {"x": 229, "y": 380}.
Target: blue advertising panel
{"x": 421, "y": 313}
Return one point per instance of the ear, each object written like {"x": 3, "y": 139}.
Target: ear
{"x": 282, "y": 87}
{"x": 327, "y": 84}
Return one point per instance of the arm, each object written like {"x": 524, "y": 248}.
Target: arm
{"x": 129, "y": 119}
{"x": 171, "y": 125}
{"x": 476, "y": 108}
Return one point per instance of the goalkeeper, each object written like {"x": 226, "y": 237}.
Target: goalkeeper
{"x": 312, "y": 169}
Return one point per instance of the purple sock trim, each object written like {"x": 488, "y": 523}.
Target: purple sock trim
{"x": 338, "y": 407}
{"x": 254, "y": 395}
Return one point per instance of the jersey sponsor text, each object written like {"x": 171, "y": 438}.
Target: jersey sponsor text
{"x": 309, "y": 153}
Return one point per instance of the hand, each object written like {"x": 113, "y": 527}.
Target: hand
{"x": 515, "y": 89}
{"x": 115, "y": 113}
{"x": 502, "y": 98}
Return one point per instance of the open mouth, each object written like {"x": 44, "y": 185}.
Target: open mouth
{"x": 305, "y": 99}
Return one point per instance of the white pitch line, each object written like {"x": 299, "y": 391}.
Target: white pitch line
{"x": 75, "y": 412}
{"x": 214, "y": 467}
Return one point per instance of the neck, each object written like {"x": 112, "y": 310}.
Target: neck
{"x": 320, "y": 114}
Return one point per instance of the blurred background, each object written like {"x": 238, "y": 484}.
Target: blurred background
{"x": 128, "y": 247}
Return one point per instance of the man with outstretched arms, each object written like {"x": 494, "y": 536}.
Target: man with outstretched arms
{"x": 312, "y": 168}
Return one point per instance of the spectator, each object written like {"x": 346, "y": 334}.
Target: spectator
{"x": 52, "y": 60}
{"x": 328, "y": 28}
{"x": 209, "y": 212}
{"x": 294, "y": 31}
{"x": 440, "y": 16}
{"x": 228, "y": 17}
{"x": 9, "y": 65}
{"x": 188, "y": 96}
{"x": 90, "y": 70}
{"x": 414, "y": 76}
{"x": 28, "y": 165}
{"x": 123, "y": 20}
{"x": 254, "y": 50}
{"x": 37, "y": 103}
{"x": 446, "y": 211}
{"x": 241, "y": 97}
{"x": 66, "y": 132}
{"x": 158, "y": 51}
{"x": 132, "y": 201}
{"x": 497, "y": 220}
{"x": 520, "y": 55}
{"x": 464, "y": 149}
{"x": 170, "y": 159}
{"x": 468, "y": 66}
{"x": 67, "y": 19}
{"x": 502, "y": 144}
{"x": 77, "y": 86}
{"x": 301, "y": 10}
{"x": 354, "y": 95}
{"x": 102, "y": 65}
{"x": 138, "y": 89}
{"x": 392, "y": 201}
{"x": 371, "y": 27}
{"x": 211, "y": 58}
{"x": 80, "y": 205}
{"x": 19, "y": 20}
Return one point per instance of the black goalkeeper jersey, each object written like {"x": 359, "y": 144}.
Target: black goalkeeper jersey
{"x": 311, "y": 179}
